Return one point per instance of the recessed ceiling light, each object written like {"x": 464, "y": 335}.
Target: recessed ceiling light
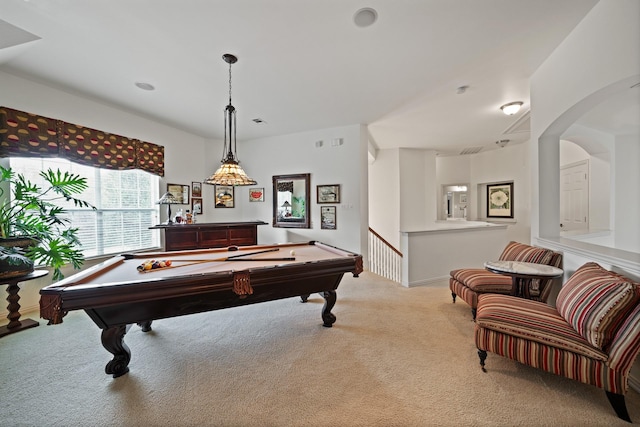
{"x": 365, "y": 17}
{"x": 145, "y": 86}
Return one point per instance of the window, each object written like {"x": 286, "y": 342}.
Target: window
{"x": 125, "y": 203}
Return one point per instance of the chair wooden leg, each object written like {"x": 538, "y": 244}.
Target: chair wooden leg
{"x": 453, "y": 295}
{"x": 618, "y": 404}
{"x": 483, "y": 356}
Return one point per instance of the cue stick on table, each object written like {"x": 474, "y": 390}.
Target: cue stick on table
{"x": 218, "y": 260}
{"x": 229, "y": 258}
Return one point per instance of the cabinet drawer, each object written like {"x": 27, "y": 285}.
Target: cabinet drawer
{"x": 213, "y": 239}
{"x": 181, "y": 239}
{"x": 242, "y": 236}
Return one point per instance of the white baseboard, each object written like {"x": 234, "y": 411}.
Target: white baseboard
{"x": 434, "y": 281}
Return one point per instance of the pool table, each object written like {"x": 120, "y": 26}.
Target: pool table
{"x": 122, "y": 291}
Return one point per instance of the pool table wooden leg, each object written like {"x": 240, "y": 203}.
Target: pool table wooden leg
{"x": 330, "y": 300}
{"x": 145, "y": 326}
{"x": 113, "y": 341}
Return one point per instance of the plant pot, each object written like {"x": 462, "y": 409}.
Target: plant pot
{"x": 18, "y": 242}
{"x": 14, "y": 265}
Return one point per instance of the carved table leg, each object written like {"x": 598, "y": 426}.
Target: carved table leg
{"x": 330, "y": 300}
{"x": 113, "y": 341}
{"x": 145, "y": 326}
{"x": 15, "y": 324}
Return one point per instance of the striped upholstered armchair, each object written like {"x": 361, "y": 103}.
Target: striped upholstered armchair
{"x": 592, "y": 335}
{"x": 468, "y": 283}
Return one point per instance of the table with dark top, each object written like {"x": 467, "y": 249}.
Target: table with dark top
{"x": 523, "y": 270}
{"x": 115, "y": 294}
{"x": 13, "y": 289}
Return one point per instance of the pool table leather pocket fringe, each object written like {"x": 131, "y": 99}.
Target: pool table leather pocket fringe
{"x": 242, "y": 283}
{"x": 50, "y": 309}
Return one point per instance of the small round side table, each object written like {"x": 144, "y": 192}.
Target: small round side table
{"x": 15, "y": 324}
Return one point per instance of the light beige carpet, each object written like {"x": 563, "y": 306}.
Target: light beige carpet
{"x": 395, "y": 357}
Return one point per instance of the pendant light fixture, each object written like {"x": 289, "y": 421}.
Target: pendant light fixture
{"x": 230, "y": 172}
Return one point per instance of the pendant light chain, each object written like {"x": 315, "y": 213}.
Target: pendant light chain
{"x": 230, "y": 172}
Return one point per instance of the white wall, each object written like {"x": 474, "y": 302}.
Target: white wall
{"x": 297, "y": 153}
{"x": 384, "y": 197}
{"x": 561, "y": 82}
{"x": 183, "y": 151}
{"x": 606, "y": 44}
{"x": 627, "y": 202}
{"x": 405, "y": 191}
{"x": 510, "y": 163}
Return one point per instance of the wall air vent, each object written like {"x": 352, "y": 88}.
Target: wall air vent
{"x": 470, "y": 150}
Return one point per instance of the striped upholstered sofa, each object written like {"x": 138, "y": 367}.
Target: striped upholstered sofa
{"x": 592, "y": 335}
{"x": 468, "y": 283}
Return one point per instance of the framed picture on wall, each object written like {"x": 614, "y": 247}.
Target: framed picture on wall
{"x": 328, "y": 218}
{"x": 256, "y": 194}
{"x": 180, "y": 192}
{"x": 328, "y": 193}
{"x": 224, "y": 196}
{"x": 196, "y": 189}
{"x": 500, "y": 200}
{"x": 196, "y": 206}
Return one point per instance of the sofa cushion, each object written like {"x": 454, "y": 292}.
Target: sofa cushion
{"x": 533, "y": 321}
{"x": 482, "y": 281}
{"x": 596, "y": 301}
{"x": 515, "y": 251}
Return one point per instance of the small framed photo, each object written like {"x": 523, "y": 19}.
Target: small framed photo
{"x": 196, "y": 206}
{"x": 180, "y": 192}
{"x": 328, "y": 218}
{"x": 224, "y": 196}
{"x": 328, "y": 193}
{"x": 256, "y": 194}
{"x": 196, "y": 189}
{"x": 500, "y": 200}
{"x": 463, "y": 197}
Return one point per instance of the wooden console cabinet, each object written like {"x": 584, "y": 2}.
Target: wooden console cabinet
{"x": 209, "y": 235}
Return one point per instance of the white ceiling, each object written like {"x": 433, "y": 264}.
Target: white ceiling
{"x": 302, "y": 64}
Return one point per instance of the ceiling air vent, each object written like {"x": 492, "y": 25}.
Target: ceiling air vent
{"x": 471, "y": 150}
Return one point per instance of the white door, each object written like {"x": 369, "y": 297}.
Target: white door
{"x": 574, "y": 196}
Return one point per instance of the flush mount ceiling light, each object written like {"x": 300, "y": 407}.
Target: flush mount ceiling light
{"x": 365, "y": 17}
{"x": 230, "y": 172}
{"x": 511, "y": 108}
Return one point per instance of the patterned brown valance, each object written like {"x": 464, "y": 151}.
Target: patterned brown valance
{"x": 285, "y": 186}
{"x": 92, "y": 147}
{"x": 150, "y": 158}
{"x": 29, "y": 135}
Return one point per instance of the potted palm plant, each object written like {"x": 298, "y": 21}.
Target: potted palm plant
{"x": 34, "y": 226}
